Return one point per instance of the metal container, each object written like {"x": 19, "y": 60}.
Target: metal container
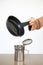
{"x": 19, "y": 50}
{"x": 19, "y": 53}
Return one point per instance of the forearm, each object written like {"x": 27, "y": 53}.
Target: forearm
{"x": 41, "y": 21}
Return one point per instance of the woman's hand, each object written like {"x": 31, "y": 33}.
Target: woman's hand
{"x": 35, "y": 23}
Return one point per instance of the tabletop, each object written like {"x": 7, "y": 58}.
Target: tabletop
{"x": 30, "y": 59}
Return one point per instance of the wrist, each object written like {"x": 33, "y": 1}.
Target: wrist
{"x": 41, "y": 21}
{"x": 38, "y": 24}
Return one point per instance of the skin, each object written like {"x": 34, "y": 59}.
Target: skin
{"x": 36, "y": 23}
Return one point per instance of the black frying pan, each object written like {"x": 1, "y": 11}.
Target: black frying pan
{"x": 15, "y": 27}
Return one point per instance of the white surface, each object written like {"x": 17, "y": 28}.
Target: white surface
{"x": 23, "y": 10}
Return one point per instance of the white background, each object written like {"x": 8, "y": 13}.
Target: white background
{"x": 23, "y": 10}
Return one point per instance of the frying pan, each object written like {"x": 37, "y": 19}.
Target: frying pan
{"x": 15, "y": 27}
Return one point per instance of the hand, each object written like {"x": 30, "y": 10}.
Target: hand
{"x": 34, "y": 23}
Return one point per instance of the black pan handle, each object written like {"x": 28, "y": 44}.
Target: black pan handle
{"x": 27, "y": 23}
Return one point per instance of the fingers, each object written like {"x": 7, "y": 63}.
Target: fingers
{"x": 33, "y": 23}
{"x": 32, "y": 20}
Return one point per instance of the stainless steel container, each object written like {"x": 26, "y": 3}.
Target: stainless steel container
{"x": 19, "y": 53}
{"x": 19, "y": 50}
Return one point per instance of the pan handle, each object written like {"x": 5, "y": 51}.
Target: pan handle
{"x": 27, "y": 23}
